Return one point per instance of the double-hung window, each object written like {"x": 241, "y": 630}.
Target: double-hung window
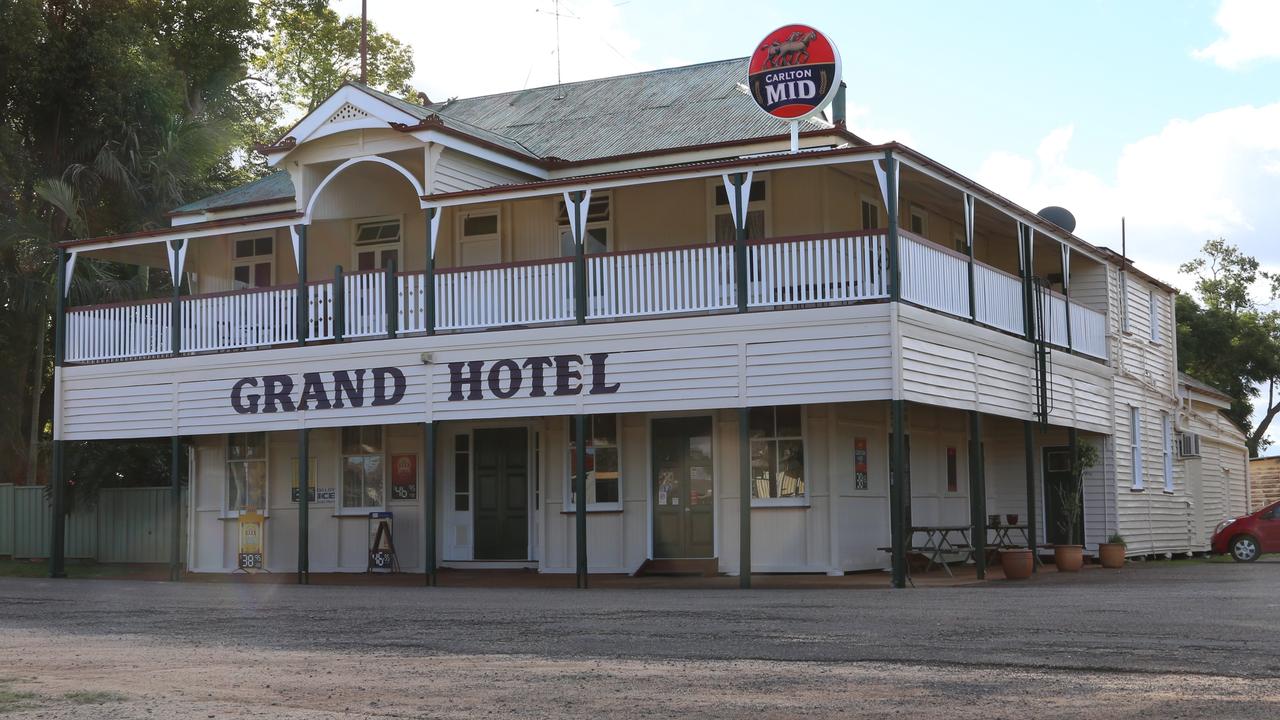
{"x": 480, "y": 242}
{"x": 757, "y": 201}
{"x": 363, "y": 468}
{"x": 252, "y": 263}
{"x": 377, "y": 244}
{"x": 595, "y": 237}
{"x": 246, "y": 472}
{"x": 919, "y": 218}
{"x": 1166, "y": 449}
{"x": 870, "y": 215}
{"x": 1135, "y": 446}
{"x": 1153, "y": 309}
{"x": 777, "y": 454}
{"x": 604, "y": 479}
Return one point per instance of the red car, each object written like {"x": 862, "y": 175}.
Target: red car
{"x": 1250, "y": 536}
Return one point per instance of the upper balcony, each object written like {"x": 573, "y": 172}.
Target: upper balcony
{"x": 789, "y": 272}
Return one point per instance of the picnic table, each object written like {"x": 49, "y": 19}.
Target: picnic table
{"x": 940, "y": 540}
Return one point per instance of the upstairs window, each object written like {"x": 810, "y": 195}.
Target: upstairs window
{"x": 253, "y": 263}
{"x": 604, "y": 479}
{"x": 596, "y": 235}
{"x": 1135, "y": 446}
{"x": 1153, "y": 308}
{"x": 757, "y": 198}
{"x": 247, "y": 472}
{"x": 480, "y": 242}
{"x": 919, "y": 221}
{"x": 1166, "y": 446}
{"x": 777, "y": 453}
{"x": 870, "y": 215}
{"x": 377, "y": 244}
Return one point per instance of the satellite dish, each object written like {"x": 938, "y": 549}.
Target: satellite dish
{"x": 1059, "y": 216}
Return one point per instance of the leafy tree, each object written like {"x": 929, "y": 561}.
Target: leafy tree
{"x": 311, "y": 51}
{"x": 1228, "y": 338}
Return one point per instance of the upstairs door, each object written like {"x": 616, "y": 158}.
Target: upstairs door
{"x": 683, "y": 503}
{"x": 501, "y": 461}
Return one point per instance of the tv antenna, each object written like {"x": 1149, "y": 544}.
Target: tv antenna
{"x": 557, "y": 14}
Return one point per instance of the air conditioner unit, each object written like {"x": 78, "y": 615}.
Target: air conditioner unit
{"x": 1189, "y": 445}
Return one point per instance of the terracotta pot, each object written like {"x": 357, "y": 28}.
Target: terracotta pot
{"x": 1016, "y": 563}
{"x": 1111, "y": 555}
{"x": 1068, "y": 558}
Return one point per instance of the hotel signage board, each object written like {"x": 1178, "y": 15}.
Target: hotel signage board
{"x": 794, "y": 72}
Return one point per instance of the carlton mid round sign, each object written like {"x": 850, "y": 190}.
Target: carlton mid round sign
{"x": 794, "y": 72}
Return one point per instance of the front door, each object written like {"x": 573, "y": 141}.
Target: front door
{"x": 1057, "y": 481}
{"x": 501, "y": 494}
{"x": 683, "y": 503}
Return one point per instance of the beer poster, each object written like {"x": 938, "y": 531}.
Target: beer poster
{"x": 250, "y": 556}
{"x": 860, "y": 478}
{"x": 404, "y": 477}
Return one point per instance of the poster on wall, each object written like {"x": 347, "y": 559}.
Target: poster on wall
{"x": 860, "y": 479}
{"x": 404, "y": 477}
{"x": 249, "y": 557}
{"x": 321, "y": 495}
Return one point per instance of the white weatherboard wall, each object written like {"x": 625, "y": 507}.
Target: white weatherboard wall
{"x": 695, "y": 363}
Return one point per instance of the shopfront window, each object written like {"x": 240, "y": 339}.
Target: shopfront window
{"x": 363, "y": 468}
{"x": 604, "y": 479}
{"x": 246, "y": 472}
{"x": 777, "y": 453}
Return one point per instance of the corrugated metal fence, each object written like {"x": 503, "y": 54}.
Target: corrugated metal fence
{"x": 127, "y": 525}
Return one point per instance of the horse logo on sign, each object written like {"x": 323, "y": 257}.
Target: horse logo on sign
{"x": 794, "y": 72}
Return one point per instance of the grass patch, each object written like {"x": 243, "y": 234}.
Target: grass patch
{"x": 93, "y": 697}
{"x": 11, "y": 700}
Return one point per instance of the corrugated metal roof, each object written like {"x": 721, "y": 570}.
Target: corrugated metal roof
{"x": 275, "y": 187}
{"x": 585, "y": 120}
{"x": 673, "y": 107}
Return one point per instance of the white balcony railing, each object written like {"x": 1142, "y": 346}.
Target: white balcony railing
{"x": 782, "y": 273}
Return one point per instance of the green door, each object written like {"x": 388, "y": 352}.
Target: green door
{"x": 683, "y": 503}
{"x": 1057, "y": 479}
{"x": 502, "y": 494}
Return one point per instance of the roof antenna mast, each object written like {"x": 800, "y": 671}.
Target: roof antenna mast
{"x": 559, "y": 83}
{"x": 364, "y": 41}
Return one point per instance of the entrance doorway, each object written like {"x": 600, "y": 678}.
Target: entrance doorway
{"x": 1057, "y": 478}
{"x": 683, "y": 502}
{"x": 501, "y": 494}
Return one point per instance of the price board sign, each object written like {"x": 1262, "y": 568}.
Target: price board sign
{"x": 382, "y": 549}
{"x": 250, "y": 557}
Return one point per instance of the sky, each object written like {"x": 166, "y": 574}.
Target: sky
{"x": 1165, "y": 112}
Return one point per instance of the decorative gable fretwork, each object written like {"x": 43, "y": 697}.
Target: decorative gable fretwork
{"x": 347, "y": 112}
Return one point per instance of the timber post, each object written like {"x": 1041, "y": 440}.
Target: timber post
{"x": 429, "y": 437}
{"x": 580, "y": 497}
{"x": 900, "y": 534}
{"x": 744, "y": 504}
{"x": 977, "y": 494}
{"x": 304, "y": 507}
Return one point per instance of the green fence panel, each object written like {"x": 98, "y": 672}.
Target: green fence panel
{"x": 135, "y": 525}
{"x": 6, "y": 519}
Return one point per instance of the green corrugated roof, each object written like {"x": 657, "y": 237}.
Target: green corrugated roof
{"x": 276, "y": 186}
{"x": 585, "y": 120}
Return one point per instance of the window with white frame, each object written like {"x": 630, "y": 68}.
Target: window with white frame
{"x": 1153, "y": 309}
{"x": 777, "y": 453}
{"x": 252, "y": 262}
{"x": 377, "y": 244}
{"x": 919, "y": 221}
{"x": 363, "y": 468}
{"x": 757, "y": 204}
{"x": 595, "y": 237}
{"x": 1135, "y": 446}
{"x": 604, "y": 479}
{"x": 480, "y": 238}
{"x": 1166, "y": 448}
{"x": 246, "y": 471}
{"x": 870, "y": 215}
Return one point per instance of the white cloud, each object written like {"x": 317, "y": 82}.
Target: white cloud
{"x": 464, "y": 49}
{"x": 1195, "y": 179}
{"x": 1251, "y": 31}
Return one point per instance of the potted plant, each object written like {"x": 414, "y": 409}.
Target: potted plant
{"x": 1016, "y": 563}
{"x": 1069, "y": 557}
{"x": 1111, "y": 553}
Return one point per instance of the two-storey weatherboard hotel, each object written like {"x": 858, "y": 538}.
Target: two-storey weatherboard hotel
{"x": 618, "y": 325}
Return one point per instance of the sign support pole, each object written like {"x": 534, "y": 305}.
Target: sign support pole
{"x": 57, "y": 540}
{"x": 977, "y": 494}
{"x": 1028, "y": 441}
{"x": 304, "y": 507}
{"x": 744, "y": 503}
{"x": 580, "y": 493}
{"x": 795, "y": 137}
{"x": 898, "y": 493}
{"x": 429, "y": 434}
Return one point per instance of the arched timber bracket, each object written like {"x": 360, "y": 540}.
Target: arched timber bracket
{"x": 417, "y": 186}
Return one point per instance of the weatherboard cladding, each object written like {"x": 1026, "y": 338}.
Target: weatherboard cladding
{"x": 643, "y": 112}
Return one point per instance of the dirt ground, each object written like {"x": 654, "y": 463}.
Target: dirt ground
{"x": 1201, "y": 646}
